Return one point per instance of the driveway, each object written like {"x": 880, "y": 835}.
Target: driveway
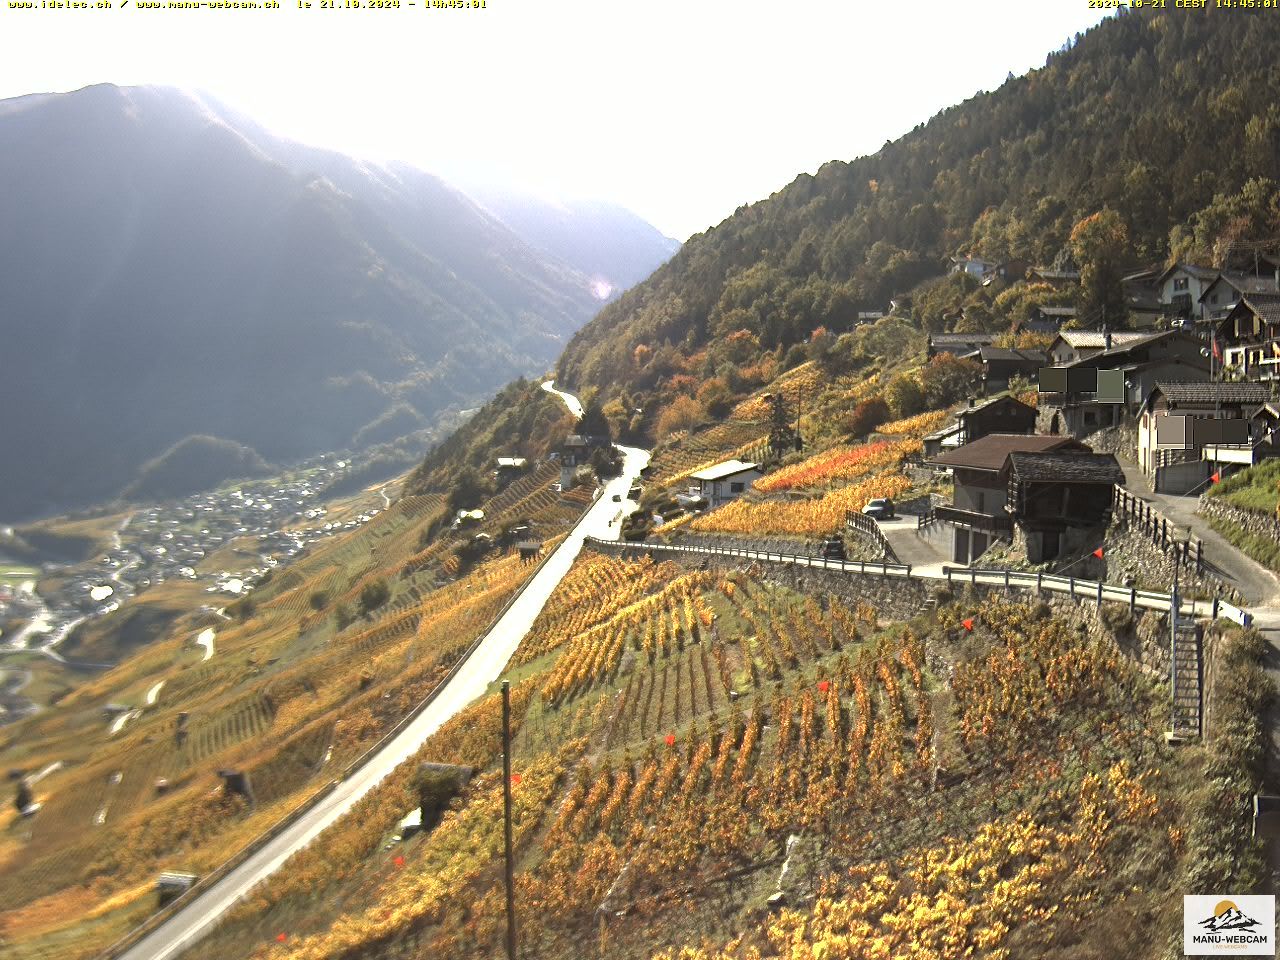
{"x": 1259, "y": 586}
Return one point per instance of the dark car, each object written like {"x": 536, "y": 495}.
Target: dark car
{"x": 879, "y": 510}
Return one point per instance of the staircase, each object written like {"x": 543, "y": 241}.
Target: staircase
{"x": 1188, "y": 674}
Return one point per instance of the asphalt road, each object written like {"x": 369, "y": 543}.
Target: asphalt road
{"x": 484, "y": 666}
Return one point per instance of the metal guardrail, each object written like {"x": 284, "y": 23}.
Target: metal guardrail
{"x": 996, "y": 577}
{"x": 162, "y": 915}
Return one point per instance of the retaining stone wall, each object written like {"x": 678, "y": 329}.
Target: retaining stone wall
{"x": 1260, "y": 524}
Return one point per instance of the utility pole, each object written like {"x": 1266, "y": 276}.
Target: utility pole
{"x": 1174, "y": 603}
{"x": 506, "y": 819}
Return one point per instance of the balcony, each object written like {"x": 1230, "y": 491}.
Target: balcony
{"x": 997, "y": 523}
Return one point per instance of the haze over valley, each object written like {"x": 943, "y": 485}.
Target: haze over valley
{"x": 184, "y": 296}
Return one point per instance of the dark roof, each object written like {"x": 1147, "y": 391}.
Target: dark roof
{"x": 961, "y": 338}
{"x": 1244, "y": 282}
{"x": 1180, "y": 392}
{"x": 1066, "y": 467}
{"x": 1018, "y": 356}
{"x": 1265, "y": 305}
{"x": 1002, "y": 398}
{"x": 1200, "y": 273}
{"x": 991, "y": 451}
{"x": 1049, "y": 273}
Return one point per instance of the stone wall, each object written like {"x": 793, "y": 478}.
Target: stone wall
{"x": 896, "y": 598}
{"x": 1263, "y": 525}
{"x": 857, "y": 547}
{"x": 1130, "y": 553}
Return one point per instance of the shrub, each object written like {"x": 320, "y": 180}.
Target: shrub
{"x": 373, "y": 595}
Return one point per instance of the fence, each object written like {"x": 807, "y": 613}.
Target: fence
{"x": 1007, "y": 579}
{"x": 868, "y": 528}
{"x": 1188, "y": 551}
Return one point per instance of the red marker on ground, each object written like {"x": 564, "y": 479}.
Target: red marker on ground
{"x": 671, "y": 739}
{"x": 824, "y": 685}
{"x": 968, "y": 623}
{"x": 1098, "y": 553}
{"x": 515, "y": 778}
{"x": 281, "y": 937}
{"x": 399, "y": 861}
{"x": 1217, "y": 475}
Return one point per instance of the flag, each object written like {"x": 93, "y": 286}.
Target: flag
{"x": 671, "y": 739}
{"x": 515, "y": 778}
{"x": 1216, "y": 476}
{"x": 968, "y": 623}
{"x": 1217, "y": 351}
{"x": 281, "y": 937}
{"x": 824, "y": 685}
{"x": 1098, "y": 553}
{"x": 399, "y": 861}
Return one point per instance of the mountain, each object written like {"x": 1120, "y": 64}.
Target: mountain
{"x": 607, "y": 242}
{"x": 1171, "y": 121}
{"x": 170, "y": 269}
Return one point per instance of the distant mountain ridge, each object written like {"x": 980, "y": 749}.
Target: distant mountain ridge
{"x": 172, "y": 269}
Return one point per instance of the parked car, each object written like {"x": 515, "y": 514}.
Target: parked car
{"x": 833, "y": 548}
{"x": 879, "y": 509}
{"x": 617, "y": 498}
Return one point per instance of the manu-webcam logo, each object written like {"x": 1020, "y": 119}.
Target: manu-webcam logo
{"x": 1229, "y": 926}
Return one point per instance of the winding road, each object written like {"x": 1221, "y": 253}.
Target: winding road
{"x": 472, "y": 679}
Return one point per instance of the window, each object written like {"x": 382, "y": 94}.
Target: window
{"x": 737, "y": 486}
{"x": 1179, "y": 283}
{"x": 1213, "y": 298}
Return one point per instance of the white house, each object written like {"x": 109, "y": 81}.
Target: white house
{"x": 1182, "y": 285}
{"x": 726, "y": 481}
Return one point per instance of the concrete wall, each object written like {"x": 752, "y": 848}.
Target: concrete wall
{"x": 1180, "y": 478}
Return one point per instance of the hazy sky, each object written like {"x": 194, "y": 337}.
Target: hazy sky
{"x": 679, "y": 111}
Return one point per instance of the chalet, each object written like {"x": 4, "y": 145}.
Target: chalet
{"x": 1003, "y": 414}
{"x": 507, "y": 469}
{"x": 1221, "y": 296}
{"x": 1248, "y": 337}
{"x": 1226, "y": 425}
{"x": 1049, "y": 319}
{"x": 1135, "y": 365}
{"x": 1057, "y": 498}
{"x": 726, "y": 481}
{"x": 1180, "y": 287}
{"x": 1054, "y": 276}
{"x": 960, "y": 344}
{"x": 946, "y": 438}
{"x": 1072, "y": 345}
{"x": 1000, "y": 365}
{"x": 976, "y": 267}
{"x": 1059, "y": 486}
{"x": 576, "y": 451}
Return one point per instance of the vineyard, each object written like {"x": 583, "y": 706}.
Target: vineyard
{"x": 294, "y": 692}
{"x": 677, "y": 726}
{"x": 818, "y": 517}
{"x": 843, "y": 464}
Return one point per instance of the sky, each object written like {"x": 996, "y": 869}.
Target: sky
{"x": 679, "y": 111}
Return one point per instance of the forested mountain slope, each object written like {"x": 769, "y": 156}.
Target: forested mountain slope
{"x": 1171, "y": 121}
